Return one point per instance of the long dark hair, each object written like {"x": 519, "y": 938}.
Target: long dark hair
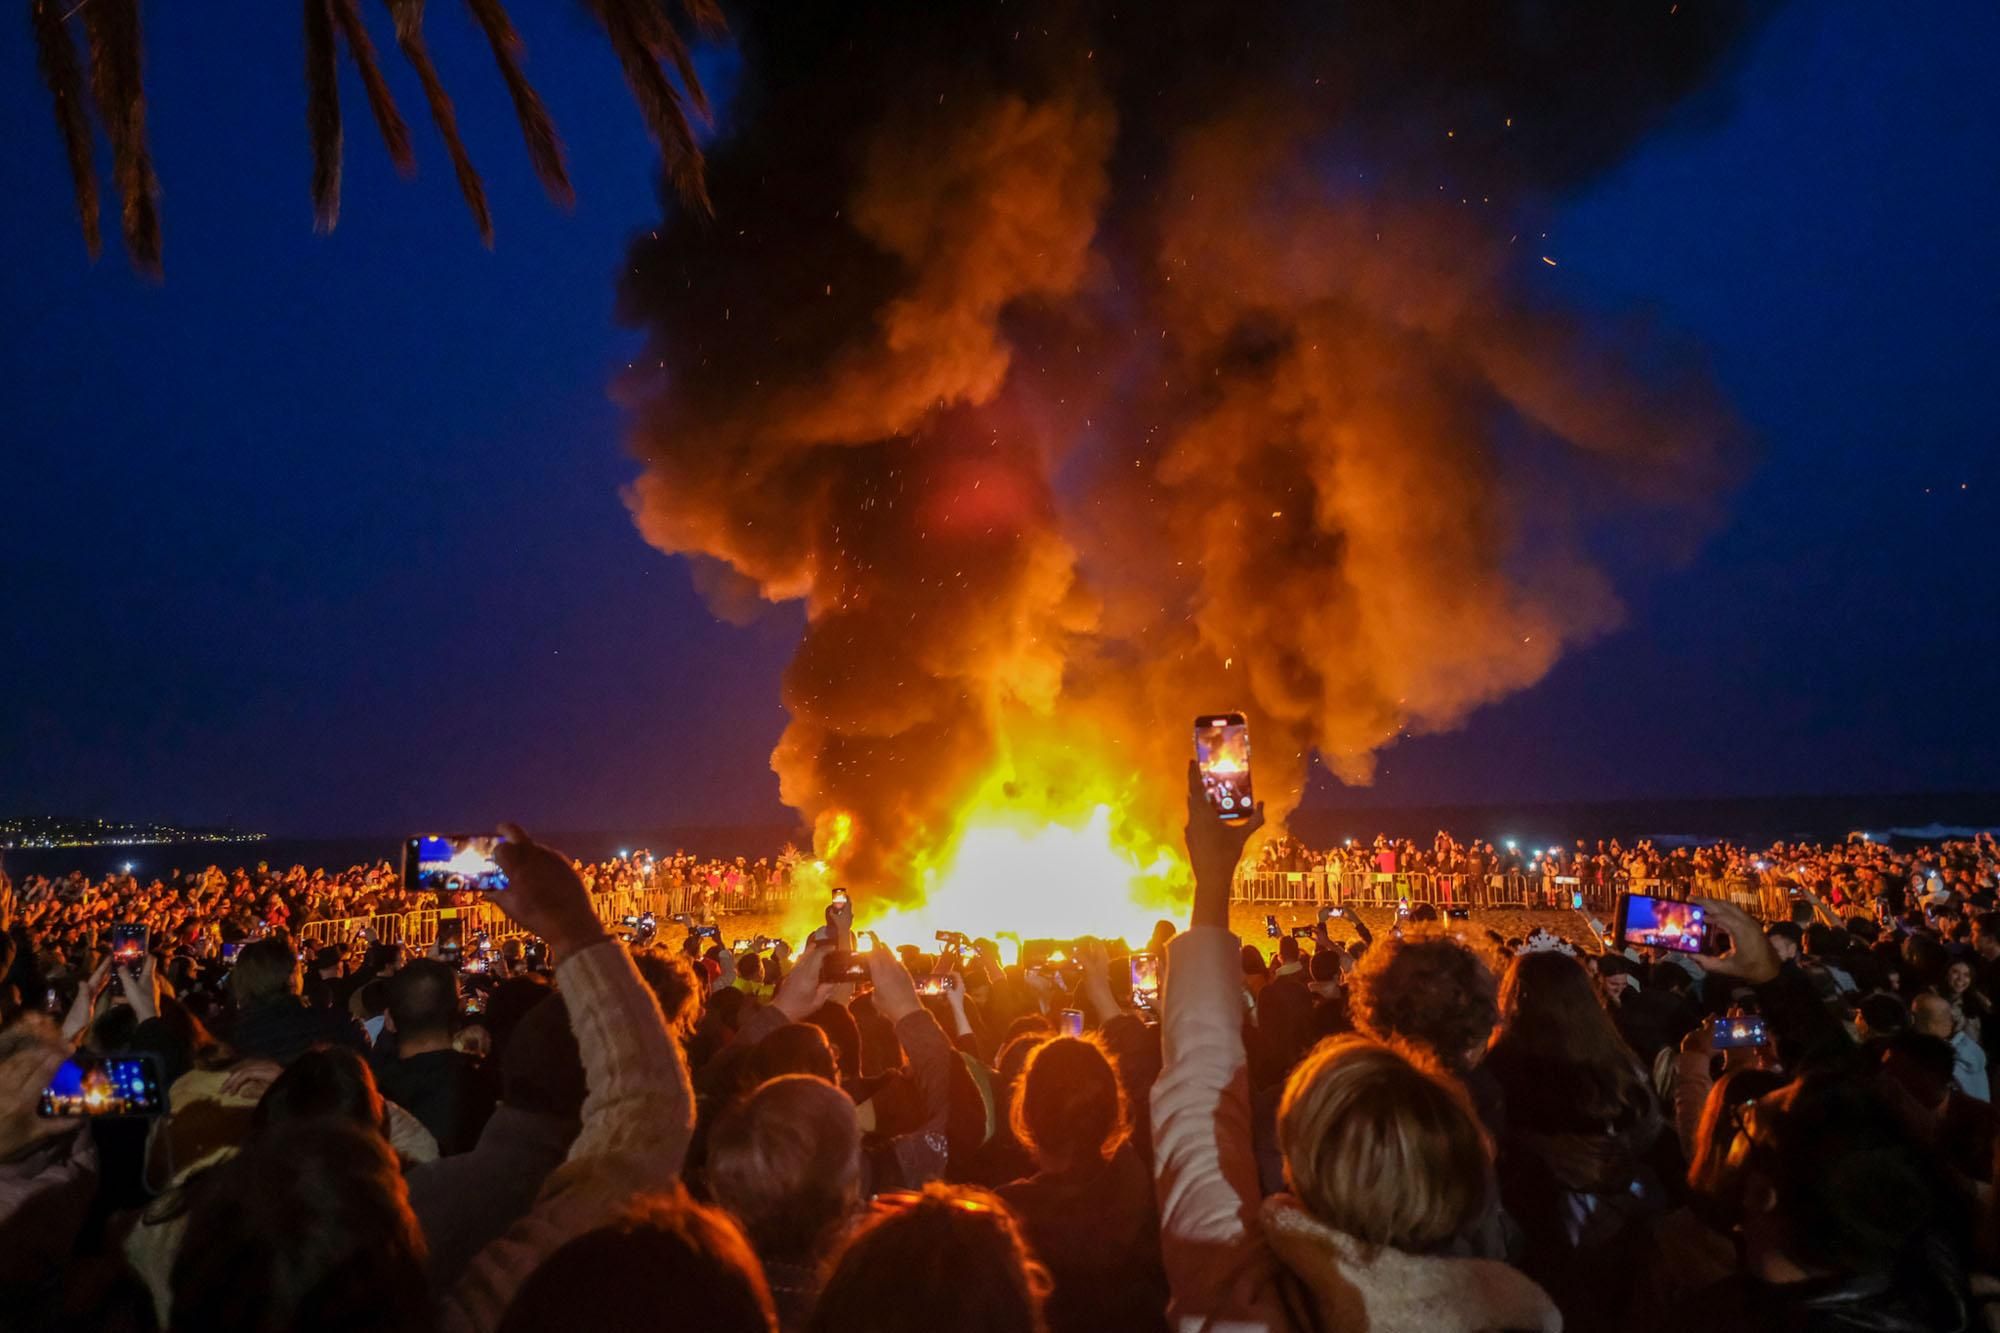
{"x": 1551, "y": 1017}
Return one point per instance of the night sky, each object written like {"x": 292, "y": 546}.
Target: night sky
{"x": 324, "y": 535}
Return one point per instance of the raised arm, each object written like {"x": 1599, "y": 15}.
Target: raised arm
{"x": 638, "y": 1115}
{"x": 1206, "y": 1173}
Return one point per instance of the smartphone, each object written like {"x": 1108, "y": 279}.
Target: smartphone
{"x": 709, "y": 933}
{"x": 1728, "y": 1032}
{"x": 452, "y": 863}
{"x": 1660, "y": 923}
{"x": 743, "y": 946}
{"x": 475, "y": 1003}
{"x": 1576, "y": 902}
{"x": 1222, "y": 753}
{"x": 937, "y": 983}
{"x": 1145, "y": 976}
{"x": 1072, "y": 1022}
{"x": 866, "y": 941}
{"x": 451, "y": 938}
{"x": 230, "y": 948}
{"x": 840, "y": 897}
{"x": 1458, "y": 913}
{"x": 843, "y": 969}
{"x": 128, "y": 944}
{"x": 52, "y": 1002}
{"x": 1305, "y": 932}
{"x": 1271, "y": 927}
{"x": 92, "y": 1085}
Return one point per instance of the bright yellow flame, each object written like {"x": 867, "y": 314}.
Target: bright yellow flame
{"x": 1040, "y": 877}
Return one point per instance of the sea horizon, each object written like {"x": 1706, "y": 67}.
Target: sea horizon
{"x": 1754, "y": 820}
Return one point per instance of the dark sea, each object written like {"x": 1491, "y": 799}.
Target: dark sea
{"x": 1756, "y": 821}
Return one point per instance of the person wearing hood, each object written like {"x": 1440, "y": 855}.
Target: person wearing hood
{"x": 1384, "y": 1157}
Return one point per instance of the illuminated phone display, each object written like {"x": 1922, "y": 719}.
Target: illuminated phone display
{"x": 1222, "y": 753}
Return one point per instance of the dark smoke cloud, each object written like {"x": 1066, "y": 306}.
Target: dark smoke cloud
{"x": 1081, "y": 367}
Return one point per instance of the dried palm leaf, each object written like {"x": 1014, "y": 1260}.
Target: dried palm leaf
{"x": 544, "y": 147}
{"x": 409, "y": 17}
{"x": 323, "y": 113}
{"x": 706, "y": 16}
{"x": 115, "y": 78}
{"x": 64, "y": 76}
{"x": 395, "y": 134}
{"x": 630, "y": 24}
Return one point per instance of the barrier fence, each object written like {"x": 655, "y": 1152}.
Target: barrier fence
{"x": 1301, "y": 888}
{"x": 1595, "y": 895}
{"x": 419, "y": 929}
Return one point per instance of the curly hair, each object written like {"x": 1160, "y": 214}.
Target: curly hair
{"x": 1433, "y": 992}
{"x": 670, "y": 976}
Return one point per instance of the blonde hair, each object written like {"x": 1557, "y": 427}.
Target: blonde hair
{"x": 1381, "y": 1144}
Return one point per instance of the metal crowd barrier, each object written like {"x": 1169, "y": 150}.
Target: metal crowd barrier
{"x": 418, "y": 929}
{"x": 1598, "y": 896}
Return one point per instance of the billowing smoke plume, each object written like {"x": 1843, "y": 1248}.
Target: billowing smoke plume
{"x": 1085, "y": 366}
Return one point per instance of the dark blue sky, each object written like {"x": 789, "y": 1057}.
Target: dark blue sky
{"x": 324, "y": 535}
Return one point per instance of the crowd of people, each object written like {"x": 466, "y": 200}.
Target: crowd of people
{"x": 204, "y": 912}
{"x": 1850, "y": 874}
{"x": 1439, "y": 1127}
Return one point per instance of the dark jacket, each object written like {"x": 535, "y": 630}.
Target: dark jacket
{"x": 468, "y": 1200}
{"x": 447, "y": 1090}
{"x": 1579, "y": 1176}
{"x": 1097, "y": 1231}
{"x": 286, "y": 1029}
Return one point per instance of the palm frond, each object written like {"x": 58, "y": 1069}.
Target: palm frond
{"x": 668, "y": 44}
{"x": 323, "y": 113}
{"x": 64, "y": 76}
{"x": 544, "y": 146}
{"x": 630, "y": 25}
{"x": 706, "y": 16}
{"x": 115, "y": 78}
{"x": 409, "y": 18}
{"x": 395, "y": 134}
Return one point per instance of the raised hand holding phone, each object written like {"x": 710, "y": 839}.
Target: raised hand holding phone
{"x": 895, "y": 993}
{"x": 545, "y": 895}
{"x": 1750, "y": 955}
{"x": 1215, "y": 846}
{"x": 802, "y": 991}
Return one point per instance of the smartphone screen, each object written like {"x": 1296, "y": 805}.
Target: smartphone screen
{"x": 90, "y": 1085}
{"x": 1660, "y": 923}
{"x": 937, "y": 983}
{"x": 230, "y": 948}
{"x": 1145, "y": 974}
{"x": 1072, "y": 1022}
{"x": 451, "y": 938}
{"x": 1222, "y": 752}
{"x": 128, "y": 944}
{"x": 1728, "y": 1032}
{"x": 1271, "y": 927}
{"x": 452, "y": 863}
